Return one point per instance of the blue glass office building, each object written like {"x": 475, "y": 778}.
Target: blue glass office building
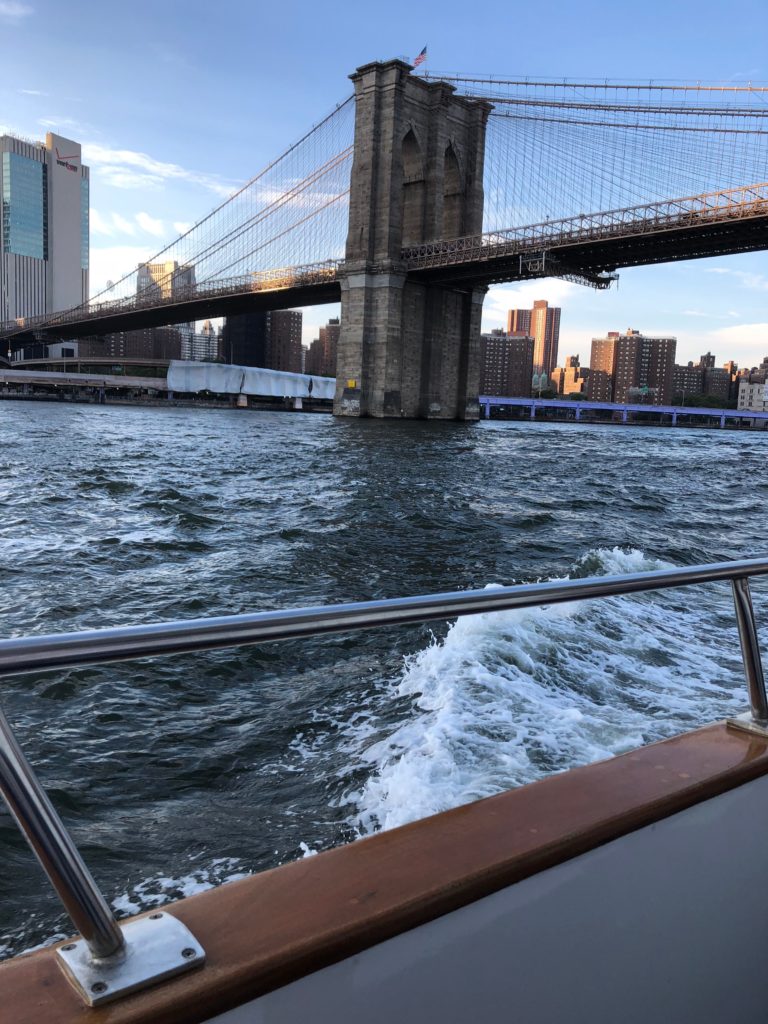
{"x": 44, "y": 248}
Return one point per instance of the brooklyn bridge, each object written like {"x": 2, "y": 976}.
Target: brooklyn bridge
{"x": 418, "y": 192}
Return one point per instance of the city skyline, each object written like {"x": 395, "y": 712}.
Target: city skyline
{"x": 152, "y": 176}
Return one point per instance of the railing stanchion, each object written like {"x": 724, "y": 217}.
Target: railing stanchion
{"x": 54, "y": 848}
{"x": 750, "y": 650}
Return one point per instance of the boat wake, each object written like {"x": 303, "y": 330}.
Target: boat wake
{"x": 508, "y": 697}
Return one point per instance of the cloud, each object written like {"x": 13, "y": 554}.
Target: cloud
{"x": 32, "y": 92}
{"x": 58, "y": 122}
{"x": 98, "y": 225}
{"x": 11, "y": 10}
{"x": 705, "y": 314}
{"x": 114, "y": 224}
{"x": 122, "y": 224}
{"x": 182, "y": 226}
{"x": 747, "y": 343}
{"x": 150, "y": 224}
{"x": 752, "y": 281}
{"x": 127, "y": 168}
{"x": 750, "y": 341}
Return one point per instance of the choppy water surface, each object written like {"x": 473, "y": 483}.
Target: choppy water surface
{"x": 177, "y": 774}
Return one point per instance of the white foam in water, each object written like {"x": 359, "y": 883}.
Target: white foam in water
{"x": 508, "y": 697}
{"x": 153, "y": 892}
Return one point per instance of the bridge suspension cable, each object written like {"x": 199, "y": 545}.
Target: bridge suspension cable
{"x": 562, "y": 149}
{"x": 554, "y": 151}
{"x": 483, "y": 81}
{"x": 293, "y": 213}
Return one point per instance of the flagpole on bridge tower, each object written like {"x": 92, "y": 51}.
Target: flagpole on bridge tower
{"x": 420, "y": 59}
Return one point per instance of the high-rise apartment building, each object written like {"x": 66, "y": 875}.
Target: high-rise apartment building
{"x": 717, "y": 383}
{"x": 164, "y": 280}
{"x": 703, "y": 378}
{"x": 271, "y": 340}
{"x": 542, "y": 323}
{"x": 602, "y": 366}
{"x": 313, "y": 359}
{"x": 643, "y": 368}
{"x": 202, "y": 346}
{"x": 687, "y": 381}
{"x": 329, "y": 343}
{"x": 519, "y": 321}
{"x": 244, "y": 339}
{"x": 168, "y": 279}
{"x": 44, "y": 241}
{"x": 152, "y": 343}
{"x": 321, "y": 355}
{"x": 284, "y": 349}
{"x": 506, "y": 364}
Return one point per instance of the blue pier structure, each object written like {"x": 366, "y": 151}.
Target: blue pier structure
{"x": 579, "y": 408}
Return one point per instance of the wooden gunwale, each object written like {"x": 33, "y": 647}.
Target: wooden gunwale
{"x": 276, "y": 927}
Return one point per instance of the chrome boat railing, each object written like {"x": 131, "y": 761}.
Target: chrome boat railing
{"x": 98, "y": 964}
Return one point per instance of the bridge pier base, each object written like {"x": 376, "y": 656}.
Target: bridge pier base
{"x": 407, "y": 349}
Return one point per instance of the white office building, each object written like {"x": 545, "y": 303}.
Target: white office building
{"x": 44, "y": 245}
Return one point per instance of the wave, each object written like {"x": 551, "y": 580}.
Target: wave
{"x": 508, "y": 697}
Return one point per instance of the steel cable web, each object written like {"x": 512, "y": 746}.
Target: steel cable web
{"x": 293, "y": 213}
{"x": 561, "y": 149}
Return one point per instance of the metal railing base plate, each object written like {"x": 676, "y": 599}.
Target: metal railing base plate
{"x": 157, "y": 946}
{"x": 746, "y": 723}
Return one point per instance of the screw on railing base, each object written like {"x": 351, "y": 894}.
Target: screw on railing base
{"x": 157, "y": 946}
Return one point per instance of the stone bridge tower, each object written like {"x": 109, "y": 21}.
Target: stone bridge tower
{"x": 409, "y": 348}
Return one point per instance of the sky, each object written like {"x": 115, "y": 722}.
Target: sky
{"x": 178, "y": 103}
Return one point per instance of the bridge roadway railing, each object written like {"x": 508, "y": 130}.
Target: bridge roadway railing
{"x": 691, "y": 211}
{"x": 275, "y": 279}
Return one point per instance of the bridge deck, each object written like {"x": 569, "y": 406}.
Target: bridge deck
{"x": 586, "y": 247}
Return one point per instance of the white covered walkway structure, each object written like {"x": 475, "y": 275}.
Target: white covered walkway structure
{"x": 187, "y": 376}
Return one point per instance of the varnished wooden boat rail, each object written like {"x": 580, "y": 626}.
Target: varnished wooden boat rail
{"x": 281, "y": 926}
{"x": 45, "y": 831}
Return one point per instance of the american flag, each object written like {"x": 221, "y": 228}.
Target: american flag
{"x": 421, "y": 58}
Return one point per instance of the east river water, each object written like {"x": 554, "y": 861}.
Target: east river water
{"x": 180, "y": 773}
